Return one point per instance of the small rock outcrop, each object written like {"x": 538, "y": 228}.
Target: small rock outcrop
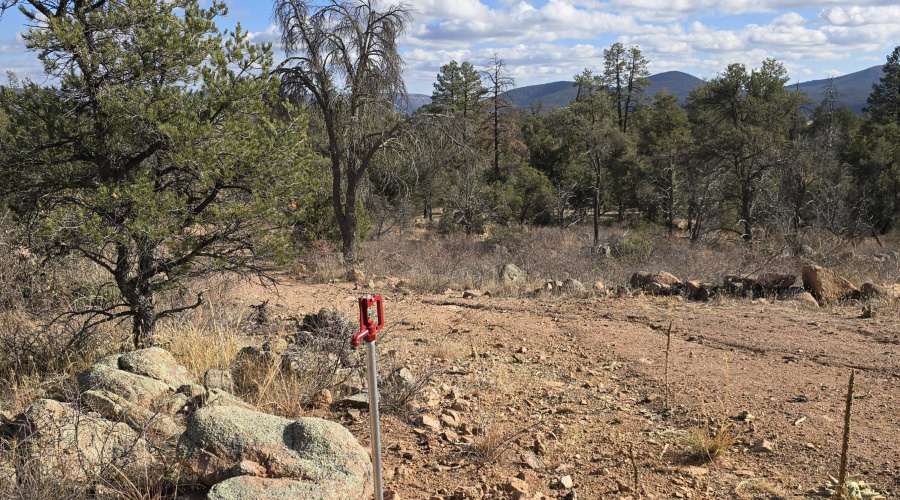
{"x": 144, "y": 377}
{"x": 62, "y": 442}
{"x": 825, "y": 285}
{"x": 248, "y": 454}
{"x": 660, "y": 283}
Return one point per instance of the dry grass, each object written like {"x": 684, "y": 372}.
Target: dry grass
{"x": 203, "y": 339}
{"x": 705, "y": 443}
{"x": 431, "y": 261}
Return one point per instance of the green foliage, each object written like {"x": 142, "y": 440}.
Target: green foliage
{"x": 884, "y": 101}
{"x": 458, "y": 90}
{"x": 157, "y": 156}
{"x": 635, "y": 249}
{"x": 743, "y": 120}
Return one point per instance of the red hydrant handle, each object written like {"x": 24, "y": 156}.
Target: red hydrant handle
{"x": 368, "y": 328}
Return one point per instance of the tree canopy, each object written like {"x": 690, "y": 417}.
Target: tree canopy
{"x": 155, "y": 154}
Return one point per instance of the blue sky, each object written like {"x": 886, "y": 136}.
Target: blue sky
{"x": 549, "y": 40}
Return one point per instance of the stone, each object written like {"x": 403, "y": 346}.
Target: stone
{"x": 515, "y": 485}
{"x": 824, "y": 284}
{"x": 763, "y": 446}
{"x": 429, "y": 422}
{"x": 573, "y": 287}
{"x": 155, "y": 363}
{"x": 356, "y": 276}
{"x": 392, "y": 495}
{"x": 118, "y": 409}
{"x": 776, "y": 281}
{"x": 304, "y": 458}
{"x": 111, "y": 374}
{"x": 359, "y": 401}
{"x": 218, "y": 379}
{"x": 217, "y": 397}
{"x": 566, "y": 482}
{"x": 697, "y": 291}
{"x": 472, "y": 294}
{"x": 323, "y": 400}
{"x": 599, "y": 287}
{"x": 511, "y": 274}
{"x": 806, "y": 299}
{"x": 64, "y": 444}
{"x": 660, "y": 282}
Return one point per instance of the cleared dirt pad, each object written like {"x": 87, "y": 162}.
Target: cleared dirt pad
{"x": 569, "y": 386}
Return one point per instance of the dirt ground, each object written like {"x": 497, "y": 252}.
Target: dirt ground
{"x": 554, "y": 389}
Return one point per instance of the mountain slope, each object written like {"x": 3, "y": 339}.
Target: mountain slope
{"x": 853, "y": 88}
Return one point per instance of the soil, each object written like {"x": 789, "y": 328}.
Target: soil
{"x": 577, "y": 387}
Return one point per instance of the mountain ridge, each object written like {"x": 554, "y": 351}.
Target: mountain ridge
{"x": 853, "y": 88}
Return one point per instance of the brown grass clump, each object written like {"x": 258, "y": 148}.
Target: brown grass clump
{"x": 706, "y": 444}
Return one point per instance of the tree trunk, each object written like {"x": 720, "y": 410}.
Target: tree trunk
{"x": 670, "y": 199}
{"x": 746, "y": 199}
{"x": 143, "y": 323}
{"x": 597, "y": 212}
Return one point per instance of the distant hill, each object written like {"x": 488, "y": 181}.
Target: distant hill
{"x": 558, "y": 94}
{"x": 854, "y": 89}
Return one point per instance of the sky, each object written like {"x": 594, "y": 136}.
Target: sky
{"x": 550, "y": 40}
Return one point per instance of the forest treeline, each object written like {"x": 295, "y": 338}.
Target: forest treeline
{"x": 743, "y": 155}
{"x": 162, "y": 149}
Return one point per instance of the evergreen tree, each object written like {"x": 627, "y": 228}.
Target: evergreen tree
{"x": 154, "y": 156}
{"x": 884, "y": 101}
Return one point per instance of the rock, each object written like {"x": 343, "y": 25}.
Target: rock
{"x": 763, "y": 446}
{"x": 806, "y": 299}
{"x": 157, "y": 364}
{"x": 871, "y": 291}
{"x": 403, "y": 377}
{"x": 304, "y": 458}
{"x": 359, "y": 401}
{"x": 566, "y": 482}
{"x": 516, "y": 486}
{"x": 356, "y": 276}
{"x": 62, "y": 443}
{"x": 472, "y": 294}
{"x": 218, "y": 379}
{"x": 217, "y": 397}
{"x": 323, "y": 400}
{"x": 511, "y": 274}
{"x": 573, "y": 287}
{"x": 827, "y": 286}
{"x": 599, "y": 287}
{"x": 392, "y": 495}
{"x": 260, "y": 488}
{"x": 776, "y": 281}
{"x": 429, "y": 422}
{"x": 118, "y": 409}
{"x": 147, "y": 387}
{"x": 697, "y": 291}
{"x": 659, "y": 282}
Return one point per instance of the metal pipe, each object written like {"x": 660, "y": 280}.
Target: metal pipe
{"x": 374, "y": 424}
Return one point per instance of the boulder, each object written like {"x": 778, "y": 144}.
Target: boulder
{"x": 806, "y": 299}
{"x": 573, "y": 287}
{"x": 63, "y": 443}
{"x": 511, "y": 274}
{"x": 697, "y": 291}
{"x": 824, "y": 284}
{"x": 134, "y": 377}
{"x": 776, "y": 281}
{"x": 247, "y": 454}
{"x": 218, "y": 379}
{"x": 118, "y": 409}
{"x": 356, "y": 276}
{"x": 660, "y": 282}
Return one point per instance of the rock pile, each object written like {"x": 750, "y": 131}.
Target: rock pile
{"x": 140, "y": 410}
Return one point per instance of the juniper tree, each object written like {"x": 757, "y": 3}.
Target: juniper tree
{"x": 153, "y": 153}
